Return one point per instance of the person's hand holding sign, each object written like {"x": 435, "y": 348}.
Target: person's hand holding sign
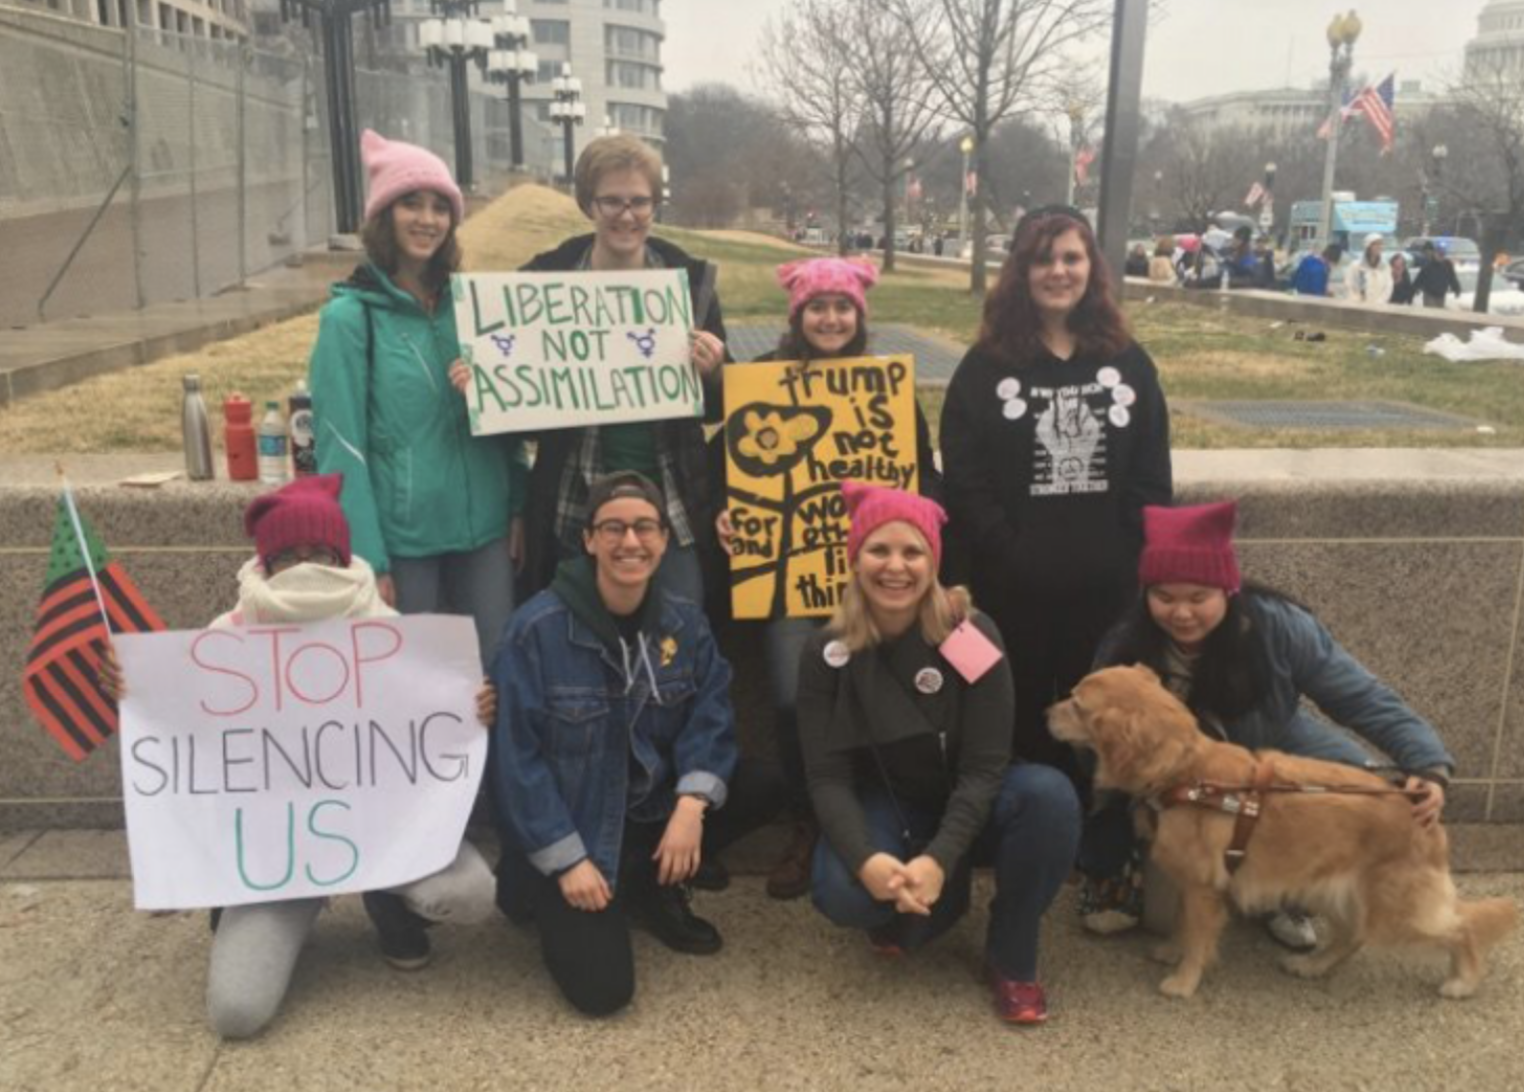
{"x": 460, "y": 376}
{"x": 708, "y": 351}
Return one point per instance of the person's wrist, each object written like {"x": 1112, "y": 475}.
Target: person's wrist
{"x": 692, "y": 805}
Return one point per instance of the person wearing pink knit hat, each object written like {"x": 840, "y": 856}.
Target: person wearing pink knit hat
{"x": 827, "y": 320}
{"x": 906, "y": 707}
{"x": 1246, "y": 659}
{"x": 435, "y": 511}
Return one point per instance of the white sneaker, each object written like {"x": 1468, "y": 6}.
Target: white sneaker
{"x": 1292, "y": 929}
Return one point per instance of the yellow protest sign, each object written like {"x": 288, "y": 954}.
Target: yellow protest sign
{"x": 791, "y": 438}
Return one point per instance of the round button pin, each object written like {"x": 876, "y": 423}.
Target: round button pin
{"x": 1108, "y": 377}
{"x": 1015, "y": 409}
{"x": 928, "y": 680}
{"x": 837, "y": 654}
{"x": 1009, "y": 388}
{"x": 1124, "y": 395}
{"x": 1120, "y": 417}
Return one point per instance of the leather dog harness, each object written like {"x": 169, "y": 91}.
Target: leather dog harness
{"x": 1245, "y": 802}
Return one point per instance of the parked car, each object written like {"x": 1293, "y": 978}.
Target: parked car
{"x": 1513, "y": 272}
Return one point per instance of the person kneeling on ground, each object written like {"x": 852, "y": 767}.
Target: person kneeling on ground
{"x": 303, "y": 571}
{"x": 905, "y": 712}
{"x": 1243, "y": 658}
{"x": 616, "y": 739}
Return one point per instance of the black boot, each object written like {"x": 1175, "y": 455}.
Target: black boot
{"x": 665, "y": 914}
{"x": 403, "y": 935}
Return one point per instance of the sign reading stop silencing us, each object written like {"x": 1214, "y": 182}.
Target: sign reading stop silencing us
{"x": 274, "y": 762}
{"x": 554, "y": 350}
{"x": 793, "y": 438}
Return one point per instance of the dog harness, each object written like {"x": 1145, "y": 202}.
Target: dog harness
{"x": 1245, "y": 802}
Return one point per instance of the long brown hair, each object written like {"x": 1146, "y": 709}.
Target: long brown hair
{"x": 379, "y": 237}
{"x": 793, "y": 345}
{"x": 1011, "y": 322}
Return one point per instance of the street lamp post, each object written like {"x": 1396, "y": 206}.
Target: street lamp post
{"x": 568, "y": 111}
{"x": 457, "y": 39}
{"x": 1343, "y": 32}
{"x": 514, "y": 64}
{"x": 1437, "y": 159}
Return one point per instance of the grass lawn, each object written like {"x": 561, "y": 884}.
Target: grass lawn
{"x": 1201, "y": 354}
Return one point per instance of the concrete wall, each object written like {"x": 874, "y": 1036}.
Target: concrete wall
{"x": 1415, "y": 559}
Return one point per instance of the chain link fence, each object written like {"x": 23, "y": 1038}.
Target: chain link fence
{"x": 142, "y": 166}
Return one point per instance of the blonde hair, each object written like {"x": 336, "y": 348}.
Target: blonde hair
{"x": 607, "y": 155}
{"x": 942, "y": 610}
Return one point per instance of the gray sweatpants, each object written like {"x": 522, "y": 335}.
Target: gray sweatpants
{"x": 255, "y": 950}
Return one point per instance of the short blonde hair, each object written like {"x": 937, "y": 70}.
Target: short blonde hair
{"x": 942, "y": 610}
{"x": 608, "y": 155}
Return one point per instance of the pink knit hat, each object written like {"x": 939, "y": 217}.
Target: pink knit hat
{"x": 304, "y": 513}
{"x": 872, "y": 506}
{"x": 395, "y": 169}
{"x": 810, "y": 277}
{"x": 1190, "y": 546}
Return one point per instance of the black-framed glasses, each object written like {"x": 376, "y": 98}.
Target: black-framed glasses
{"x": 614, "y": 207}
{"x": 612, "y": 531}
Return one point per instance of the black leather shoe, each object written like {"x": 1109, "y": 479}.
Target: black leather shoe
{"x": 403, "y": 935}
{"x": 665, "y": 914}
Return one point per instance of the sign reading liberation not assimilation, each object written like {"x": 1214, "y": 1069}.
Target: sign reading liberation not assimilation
{"x": 793, "y": 437}
{"x": 276, "y": 762}
{"x": 553, "y": 350}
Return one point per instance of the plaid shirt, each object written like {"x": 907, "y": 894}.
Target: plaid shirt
{"x": 586, "y": 464}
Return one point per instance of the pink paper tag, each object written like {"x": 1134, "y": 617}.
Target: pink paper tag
{"x": 970, "y": 652}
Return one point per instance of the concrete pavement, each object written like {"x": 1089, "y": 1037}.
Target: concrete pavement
{"x": 95, "y": 996}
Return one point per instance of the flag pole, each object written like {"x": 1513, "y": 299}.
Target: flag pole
{"x": 84, "y": 546}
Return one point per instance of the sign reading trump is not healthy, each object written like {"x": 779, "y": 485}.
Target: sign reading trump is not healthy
{"x": 277, "y": 762}
{"x": 553, "y": 350}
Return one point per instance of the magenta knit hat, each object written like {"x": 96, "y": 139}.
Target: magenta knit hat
{"x": 395, "y": 169}
{"x": 872, "y": 506}
{"x": 1190, "y": 546}
{"x": 304, "y": 513}
{"x": 810, "y": 277}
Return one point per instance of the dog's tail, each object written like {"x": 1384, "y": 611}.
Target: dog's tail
{"x": 1489, "y": 920}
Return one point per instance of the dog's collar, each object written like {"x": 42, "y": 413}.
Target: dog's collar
{"x": 1242, "y": 802}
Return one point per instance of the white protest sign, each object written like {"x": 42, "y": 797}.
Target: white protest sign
{"x": 273, "y": 762}
{"x": 552, "y": 350}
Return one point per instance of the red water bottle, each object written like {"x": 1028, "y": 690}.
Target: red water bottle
{"x": 238, "y": 438}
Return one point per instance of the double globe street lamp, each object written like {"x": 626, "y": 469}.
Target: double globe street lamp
{"x": 1343, "y": 32}
{"x": 455, "y": 38}
{"x": 568, "y": 110}
{"x": 514, "y": 64}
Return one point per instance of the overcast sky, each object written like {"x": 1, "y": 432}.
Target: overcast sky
{"x": 1203, "y": 47}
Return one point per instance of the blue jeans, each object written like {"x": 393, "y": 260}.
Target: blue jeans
{"x": 782, "y": 641}
{"x": 478, "y": 583}
{"x": 1030, "y": 838}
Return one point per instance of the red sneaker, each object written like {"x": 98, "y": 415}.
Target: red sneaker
{"x": 1019, "y": 1002}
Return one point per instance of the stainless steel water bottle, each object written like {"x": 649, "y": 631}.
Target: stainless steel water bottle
{"x": 197, "y": 431}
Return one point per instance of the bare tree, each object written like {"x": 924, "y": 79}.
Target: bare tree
{"x": 993, "y": 59}
{"x": 1485, "y": 138}
{"x": 896, "y": 92}
{"x": 803, "y": 62}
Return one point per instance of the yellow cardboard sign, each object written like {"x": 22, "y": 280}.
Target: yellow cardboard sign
{"x": 792, "y": 437}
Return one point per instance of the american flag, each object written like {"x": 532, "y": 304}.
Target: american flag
{"x": 1375, "y": 104}
{"x": 1082, "y": 160}
{"x": 1325, "y": 130}
{"x": 1255, "y": 196}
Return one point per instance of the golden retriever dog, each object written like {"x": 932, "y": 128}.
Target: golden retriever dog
{"x": 1361, "y": 862}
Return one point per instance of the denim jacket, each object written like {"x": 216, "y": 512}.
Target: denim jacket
{"x": 1306, "y": 662}
{"x": 589, "y": 736}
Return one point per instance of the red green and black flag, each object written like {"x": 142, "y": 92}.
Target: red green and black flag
{"x": 84, "y": 589}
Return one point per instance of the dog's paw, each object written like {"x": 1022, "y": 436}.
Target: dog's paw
{"x": 1180, "y": 985}
{"x": 1457, "y": 989}
{"x": 1304, "y": 965}
{"x": 1166, "y": 952}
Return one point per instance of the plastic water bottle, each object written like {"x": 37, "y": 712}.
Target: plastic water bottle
{"x": 303, "y": 445}
{"x": 197, "y": 431}
{"x": 272, "y": 445}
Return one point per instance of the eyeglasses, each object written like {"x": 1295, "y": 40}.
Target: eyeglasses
{"x": 614, "y": 207}
{"x": 612, "y": 531}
